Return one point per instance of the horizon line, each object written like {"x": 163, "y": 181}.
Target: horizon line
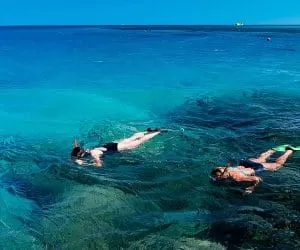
{"x": 109, "y": 25}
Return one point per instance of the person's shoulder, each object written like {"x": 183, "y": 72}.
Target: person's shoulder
{"x": 233, "y": 173}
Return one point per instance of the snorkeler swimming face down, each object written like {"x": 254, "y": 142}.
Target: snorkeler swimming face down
{"x": 248, "y": 168}
{"x": 244, "y": 172}
{"x": 93, "y": 156}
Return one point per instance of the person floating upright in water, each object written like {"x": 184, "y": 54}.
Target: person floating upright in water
{"x": 246, "y": 170}
{"x": 93, "y": 156}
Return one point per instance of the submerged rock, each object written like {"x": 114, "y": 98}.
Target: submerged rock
{"x": 164, "y": 242}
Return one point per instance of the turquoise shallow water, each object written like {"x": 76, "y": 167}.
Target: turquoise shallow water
{"x": 234, "y": 93}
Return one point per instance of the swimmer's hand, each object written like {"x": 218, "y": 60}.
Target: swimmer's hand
{"x": 83, "y": 163}
{"x": 98, "y": 163}
{"x": 250, "y": 189}
{"x": 79, "y": 162}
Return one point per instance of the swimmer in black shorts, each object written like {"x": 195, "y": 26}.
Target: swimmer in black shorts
{"x": 246, "y": 170}
{"x": 93, "y": 156}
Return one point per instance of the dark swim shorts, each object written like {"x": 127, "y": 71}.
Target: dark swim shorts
{"x": 258, "y": 167}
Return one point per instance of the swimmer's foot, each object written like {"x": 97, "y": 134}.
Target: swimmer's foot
{"x": 281, "y": 148}
{"x": 285, "y": 147}
{"x": 150, "y": 130}
{"x": 289, "y": 147}
{"x": 163, "y": 130}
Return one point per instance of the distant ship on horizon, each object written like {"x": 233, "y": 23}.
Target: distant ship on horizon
{"x": 239, "y": 24}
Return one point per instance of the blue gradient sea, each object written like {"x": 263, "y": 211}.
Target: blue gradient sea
{"x": 235, "y": 93}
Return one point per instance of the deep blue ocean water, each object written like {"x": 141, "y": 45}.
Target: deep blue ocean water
{"x": 234, "y": 93}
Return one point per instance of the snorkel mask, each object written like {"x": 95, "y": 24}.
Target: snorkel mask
{"x": 219, "y": 178}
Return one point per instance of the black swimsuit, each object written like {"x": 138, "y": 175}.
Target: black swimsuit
{"x": 111, "y": 147}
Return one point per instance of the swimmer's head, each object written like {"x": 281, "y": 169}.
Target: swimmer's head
{"x": 217, "y": 173}
{"x": 77, "y": 152}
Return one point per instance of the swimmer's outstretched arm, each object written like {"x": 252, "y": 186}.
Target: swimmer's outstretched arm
{"x": 98, "y": 162}
{"x": 96, "y": 154}
{"x": 254, "y": 180}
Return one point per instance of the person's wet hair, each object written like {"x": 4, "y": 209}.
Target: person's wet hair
{"x": 75, "y": 152}
{"x": 215, "y": 171}
{"x": 215, "y": 175}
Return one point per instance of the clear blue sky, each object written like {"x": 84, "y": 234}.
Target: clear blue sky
{"x": 55, "y": 12}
